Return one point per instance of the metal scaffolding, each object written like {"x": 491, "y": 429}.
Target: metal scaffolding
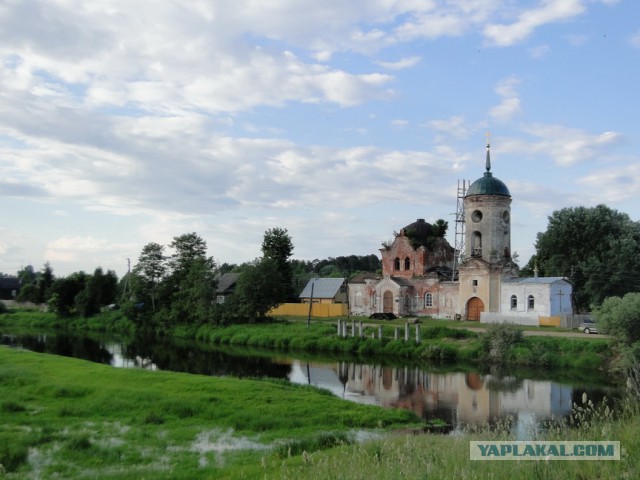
{"x": 463, "y": 186}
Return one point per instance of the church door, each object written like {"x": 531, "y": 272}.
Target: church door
{"x": 387, "y": 302}
{"x": 474, "y": 308}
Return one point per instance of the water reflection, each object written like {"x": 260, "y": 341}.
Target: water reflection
{"x": 459, "y": 398}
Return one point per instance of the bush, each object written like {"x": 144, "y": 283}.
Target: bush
{"x": 499, "y": 340}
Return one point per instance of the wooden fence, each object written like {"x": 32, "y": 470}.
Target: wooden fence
{"x": 317, "y": 310}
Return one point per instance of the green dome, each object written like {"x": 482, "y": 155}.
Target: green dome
{"x": 488, "y": 185}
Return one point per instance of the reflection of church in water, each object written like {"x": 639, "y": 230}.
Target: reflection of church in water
{"x": 420, "y": 275}
{"x": 458, "y": 398}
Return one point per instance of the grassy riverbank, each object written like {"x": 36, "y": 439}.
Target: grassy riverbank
{"x": 439, "y": 343}
{"x": 67, "y": 418}
{"x": 73, "y": 419}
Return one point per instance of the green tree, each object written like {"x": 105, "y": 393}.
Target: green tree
{"x": 258, "y": 290}
{"x": 150, "y": 268}
{"x": 597, "y": 248}
{"x": 64, "y": 293}
{"x": 620, "y": 318}
{"x": 189, "y": 288}
{"x": 278, "y": 246}
{"x": 100, "y": 290}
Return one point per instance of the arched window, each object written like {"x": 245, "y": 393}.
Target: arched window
{"x": 407, "y": 264}
{"x": 531, "y": 303}
{"x": 358, "y": 299}
{"x": 514, "y": 302}
{"x": 477, "y": 245}
{"x": 396, "y": 264}
{"x": 428, "y": 300}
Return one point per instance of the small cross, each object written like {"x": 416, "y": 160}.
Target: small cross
{"x": 488, "y": 138}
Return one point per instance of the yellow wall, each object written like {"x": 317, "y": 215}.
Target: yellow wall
{"x": 318, "y": 309}
{"x": 549, "y": 321}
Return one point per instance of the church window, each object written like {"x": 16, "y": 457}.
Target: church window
{"x": 374, "y": 300}
{"x": 514, "y": 302}
{"x": 407, "y": 263}
{"x": 474, "y": 283}
{"x": 505, "y": 216}
{"x": 476, "y": 216}
{"x": 428, "y": 300}
{"x": 531, "y": 302}
{"x": 396, "y": 264}
{"x": 477, "y": 245}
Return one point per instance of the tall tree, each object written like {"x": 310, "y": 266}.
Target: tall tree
{"x": 151, "y": 267}
{"x": 597, "y": 248}
{"x": 278, "y": 246}
{"x": 190, "y": 285}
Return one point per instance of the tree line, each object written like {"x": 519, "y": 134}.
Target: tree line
{"x": 176, "y": 283}
{"x": 597, "y": 249}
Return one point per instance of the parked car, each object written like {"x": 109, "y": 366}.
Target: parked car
{"x": 588, "y": 327}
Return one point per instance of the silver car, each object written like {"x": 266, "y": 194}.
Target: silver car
{"x": 588, "y": 327}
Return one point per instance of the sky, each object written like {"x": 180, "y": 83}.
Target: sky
{"x": 124, "y": 122}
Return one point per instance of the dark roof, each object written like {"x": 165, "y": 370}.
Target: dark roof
{"x": 227, "y": 282}
{"x": 361, "y": 277}
{"x": 10, "y": 283}
{"x": 322, "y": 287}
{"x": 488, "y": 185}
{"x": 403, "y": 282}
{"x": 542, "y": 280}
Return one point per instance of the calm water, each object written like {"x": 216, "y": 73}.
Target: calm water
{"x": 457, "y": 396}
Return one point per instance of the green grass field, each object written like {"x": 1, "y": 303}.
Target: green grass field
{"x": 67, "y": 418}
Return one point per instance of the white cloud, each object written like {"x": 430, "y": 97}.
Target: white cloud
{"x": 528, "y": 20}
{"x": 455, "y": 126}
{"x": 611, "y": 185}
{"x": 510, "y": 105}
{"x": 566, "y": 146}
{"x": 400, "y": 64}
{"x": 540, "y": 51}
{"x": 635, "y": 39}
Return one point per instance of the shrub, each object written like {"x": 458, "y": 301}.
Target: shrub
{"x": 498, "y": 341}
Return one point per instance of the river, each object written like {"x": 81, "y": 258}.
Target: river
{"x": 458, "y": 395}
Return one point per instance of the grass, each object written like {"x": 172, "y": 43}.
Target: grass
{"x": 445, "y": 457}
{"x": 68, "y": 418}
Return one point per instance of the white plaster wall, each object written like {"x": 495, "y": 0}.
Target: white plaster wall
{"x": 540, "y": 292}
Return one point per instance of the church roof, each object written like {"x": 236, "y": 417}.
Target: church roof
{"x": 540, "y": 280}
{"x": 488, "y": 184}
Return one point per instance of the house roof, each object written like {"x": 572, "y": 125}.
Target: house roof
{"x": 539, "y": 280}
{"x": 362, "y": 277}
{"x": 12, "y": 283}
{"x": 227, "y": 282}
{"x": 322, "y": 287}
{"x": 403, "y": 282}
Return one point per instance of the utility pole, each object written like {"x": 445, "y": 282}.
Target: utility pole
{"x": 127, "y": 283}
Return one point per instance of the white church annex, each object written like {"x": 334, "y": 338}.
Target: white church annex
{"x": 418, "y": 276}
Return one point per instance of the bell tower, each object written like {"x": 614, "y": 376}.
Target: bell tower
{"x": 487, "y": 255}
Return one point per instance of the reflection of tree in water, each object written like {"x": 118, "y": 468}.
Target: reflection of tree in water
{"x": 66, "y": 345}
{"x": 503, "y": 384}
{"x": 191, "y": 357}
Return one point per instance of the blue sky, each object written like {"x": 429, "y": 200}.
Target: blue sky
{"x": 125, "y": 122}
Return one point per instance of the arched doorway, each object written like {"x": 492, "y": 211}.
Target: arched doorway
{"x": 387, "y": 302}
{"x": 475, "y": 307}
